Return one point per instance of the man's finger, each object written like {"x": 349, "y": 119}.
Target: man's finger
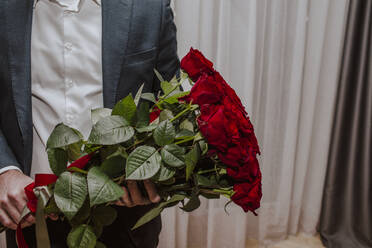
{"x": 25, "y": 224}
{"x": 6, "y": 220}
{"x": 18, "y": 199}
{"x": 53, "y": 217}
{"x": 135, "y": 193}
{"x": 30, "y": 219}
{"x": 151, "y": 191}
{"x": 11, "y": 211}
{"x": 125, "y": 199}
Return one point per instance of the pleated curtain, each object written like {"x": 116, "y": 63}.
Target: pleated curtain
{"x": 346, "y": 219}
{"x": 282, "y": 57}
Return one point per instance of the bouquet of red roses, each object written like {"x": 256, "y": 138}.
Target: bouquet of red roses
{"x": 190, "y": 144}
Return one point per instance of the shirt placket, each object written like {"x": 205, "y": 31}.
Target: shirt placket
{"x": 68, "y": 53}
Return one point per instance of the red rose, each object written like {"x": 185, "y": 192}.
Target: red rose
{"x": 233, "y": 156}
{"x": 248, "y": 195}
{"x": 154, "y": 114}
{"x": 247, "y": 172}
{"x": 205, "y": 91}
{"x": 229, "y": 92}
{"x": 195, "y": 64}
{"x": 222, "y": 128}
{"x": 211, "y": 123}
{"x": 225, "y": 125}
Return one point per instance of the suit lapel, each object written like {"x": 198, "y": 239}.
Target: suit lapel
{"x": 19, "y": 24}
{"x": 116, "y": 18}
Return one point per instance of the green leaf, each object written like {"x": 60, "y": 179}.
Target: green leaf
{"x": 158, "y": 75}
{"x": 149, "y": 216}
{"x": 192, "y": 204}
{"x": 173, "y": 155}
{"x": 165, "y": 114}
{"x": 126, "y": 108}
{"x": 51, "y": 207}
{"x": 82, "y": 237}
{"x": 143, "y": 115}
{"x": 138, "y": 94}
{"x": 99, "y": 113}
{"x": 191, "y": 159}
{"x": 165, "y": 133}
{"x": 62, "y": 136}
{"x": 146, "y": 129}
{"x": 74, "y": 151}
{"x": 169, "y": 181}
{"x": 82, "y": 215}
{"x": 203, "y": 146}
{"x": 113, "y": 166}
{"x": 174, "y": 98}
{"x": 104, "y": 215}
{"x": 101, "y": 188}
{"x": 100, "y": 245}
{"x": 166, "y": 87}
{"x": 143, "y": 163}
{"x": 173, "y": 199}
{"x": 149, "y": 97}
{"x": 98, "y": 229}
{"x": 210, "y": 195}
{"x": 164, "y": 174}
{"x": 70, "y": 193}
{"x": 205, "y": 181}
{"x": 153, "y": 213}
{"x": 198, "y": 137}
{"x": 57, "y": 160}
{"x": 120, "y": 151}
{"x": 184, "y": 134}
{"x": 111, "y": 130}
{"x": 187, "y": 125}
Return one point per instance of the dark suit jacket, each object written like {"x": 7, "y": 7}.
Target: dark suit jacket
{"x": 138, "y": 36}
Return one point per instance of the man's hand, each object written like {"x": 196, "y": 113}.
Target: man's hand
{"x": 133, "y": 197}
{"x": 13, "y": 199}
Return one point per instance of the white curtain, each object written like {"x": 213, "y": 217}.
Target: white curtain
{"x": 282, "y": 58}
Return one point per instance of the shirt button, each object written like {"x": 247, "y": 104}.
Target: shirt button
{"x": 69, "y": 118}
{"x": 69, "y": 83}
{"x": 68, "y": 46}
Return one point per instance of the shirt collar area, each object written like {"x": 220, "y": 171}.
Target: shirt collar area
{"x": 70, "y": 5}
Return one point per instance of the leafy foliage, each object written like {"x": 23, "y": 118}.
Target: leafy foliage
{"x": 143, "y": 163}
{"x": 82, "y": 237}
{"x": 173, "y": 155}
{"x": 70, "y": 192}
{"x": 124, "y": 145}
{"x": 101, "y": 188}
{"x": 57, "y": 160}
{"x": 126, "y": 108}
{"x": 111, "y": 130}
{"x": 165, "y": 133}
{"x": 62, "y": 136}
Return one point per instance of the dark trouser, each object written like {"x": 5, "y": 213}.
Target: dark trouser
{"x": 118, "y": 235}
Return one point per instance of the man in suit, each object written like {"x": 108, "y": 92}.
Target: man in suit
{"x": 58, "y": 60}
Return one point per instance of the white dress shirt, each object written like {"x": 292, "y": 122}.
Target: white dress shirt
{"x": 66, "y": 70}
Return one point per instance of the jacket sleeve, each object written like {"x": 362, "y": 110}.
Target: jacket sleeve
{"x": 7, "y": 159}
{"x": 168, "y": 63}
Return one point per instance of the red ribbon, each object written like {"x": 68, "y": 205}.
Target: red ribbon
{"x": 40, "y": 180}
{"x": 81, "y": 162}
{"x": 43, "y": 180}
